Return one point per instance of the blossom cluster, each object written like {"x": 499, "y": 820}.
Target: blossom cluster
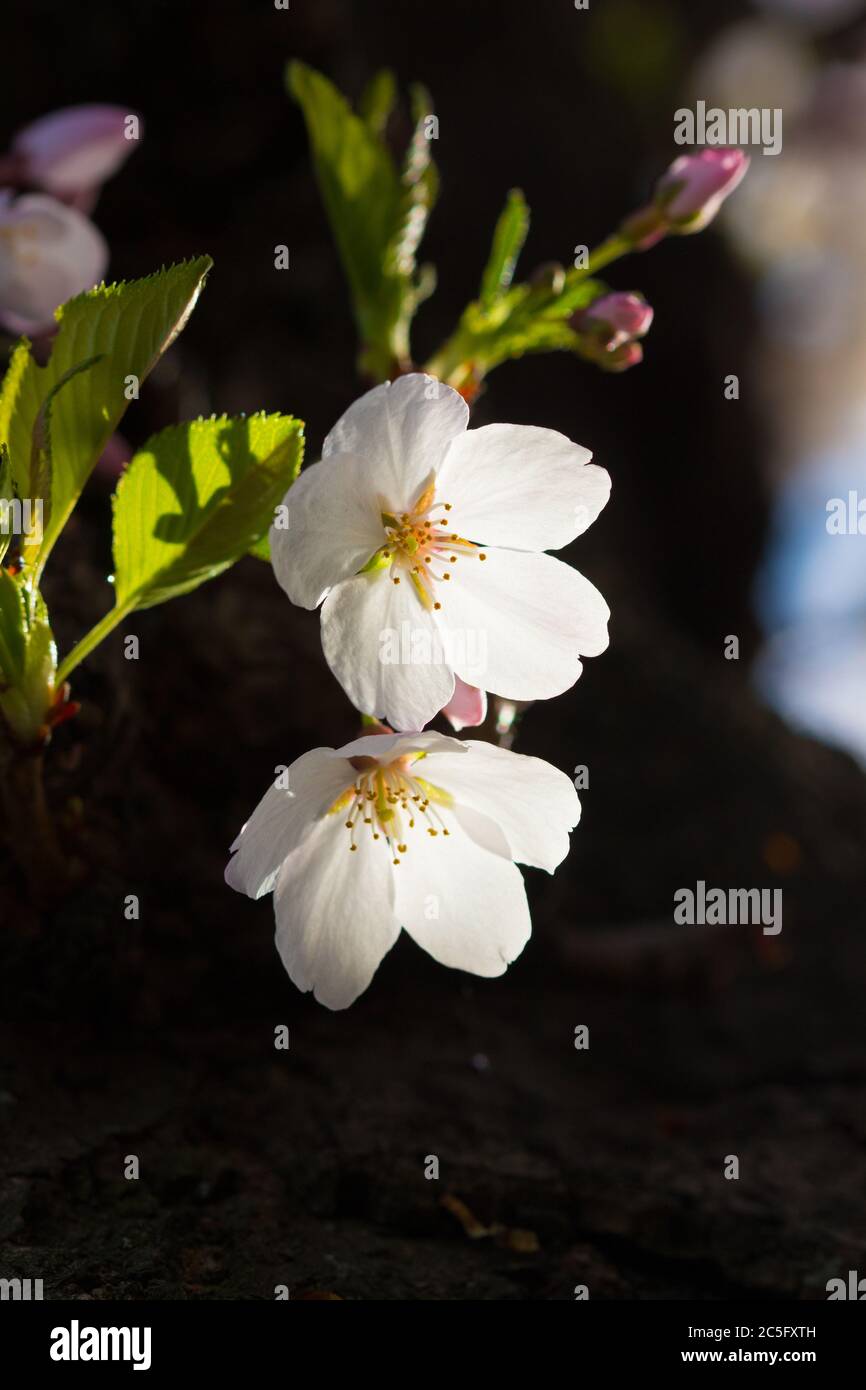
{"x": 413, "y": 524}
{"x": 50, "y": 180}
{"x": 412, "y": 520}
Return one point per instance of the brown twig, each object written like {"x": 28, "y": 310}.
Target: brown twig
{"x": 31, "y": 833}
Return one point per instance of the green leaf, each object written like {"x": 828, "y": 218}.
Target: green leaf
{"x": 41, "y": 461}
{"x": 6, "y": 496}
{"x": 508, "y": 238}
{"x": 377, "y": 101}
{"x": 262, "y": 549}
{"x": 377, "y": 214}
{"x": 196, "y": 498}
{"x": 28, "y": 659}
{"x": 13, "y": 630}
{"x": 127, "y": 327}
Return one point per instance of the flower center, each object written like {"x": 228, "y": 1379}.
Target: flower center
{"x": 389, "y": 801}
{"x": 421, "y": 547}
{"x": 17, "y": 238}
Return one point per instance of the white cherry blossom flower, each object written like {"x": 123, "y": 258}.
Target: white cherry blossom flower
{"x": 424, "y": 541}
{"x": 416, "y": 831}
{"x": 48, "y": 253}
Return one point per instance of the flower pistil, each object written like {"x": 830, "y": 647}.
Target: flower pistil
{"x": 417, "y": 542}
{"x": 391, "y": 800}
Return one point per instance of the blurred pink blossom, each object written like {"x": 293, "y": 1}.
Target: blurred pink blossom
{"x": 48, "y": 254}
{"x": 71, "y": 152}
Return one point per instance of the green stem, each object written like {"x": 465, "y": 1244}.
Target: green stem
{"x": 452, "y": 363}
{"x": 610, "y": 250}
{"x": 90, "y": 640}
{"x": 455, "y": 362}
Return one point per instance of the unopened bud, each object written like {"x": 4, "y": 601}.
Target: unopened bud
{"x": 550, "y": 276}
{"x": 74, "y": 150}
{"x": 607, "y": 330}
{"x": 687, "y": 196}
{"x": 622, "y": 358}
{"x": 615, "y": 319}
{"x": 693, "y": 189}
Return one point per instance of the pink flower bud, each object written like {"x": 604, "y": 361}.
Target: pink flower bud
{"x": 467, "y": 707}
{"x": 628, "y": 355}
{"x": 48, "y": 253}
{"x": 607, "y": 330}
{"x": 693, "y": 189}
{"x": 73, "y": 151}
{"x": 617, "y": 318}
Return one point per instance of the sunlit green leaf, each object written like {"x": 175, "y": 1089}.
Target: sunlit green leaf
{"x": 6, "y": 496}
{"x": 508, "y": 238}
{"x": 121, "y": 331}
{"x": 12, "y": 629}
{"x": 377, "y": 213}
{"x": 28, "y": 659}
{"x": 41, "y": 461}
{"x": 196, "y": 498}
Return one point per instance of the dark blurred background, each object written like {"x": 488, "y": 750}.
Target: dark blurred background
{"x": 156, "y": 1037}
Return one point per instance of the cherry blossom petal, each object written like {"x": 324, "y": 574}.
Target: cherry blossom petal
{"x": 387, "y": 747}
{"x": 534, "y": 804}
{"x": 48, "y": 254}
{"x": 335, "y": 914}
{"x": 284, "y": 817}
{"x": 368, "y": 620}
{"x": 531, "y": 614}
{"x": 464, "y": 904}
{"x": 467, "y": 707}
{"x": 520, "y": 486}
{"x": 334, "y": 527}
{"x": 76, "y": 148}
{"x": 403, "y": 428}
